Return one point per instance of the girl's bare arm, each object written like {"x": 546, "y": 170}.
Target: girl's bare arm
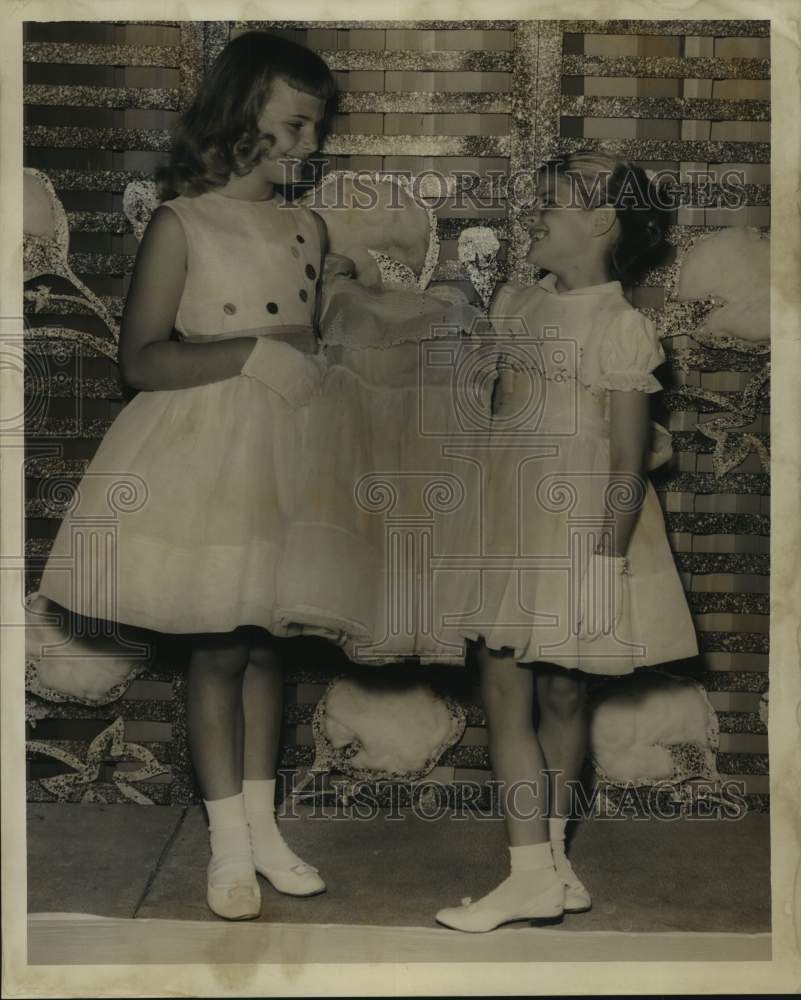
{"x": 148, "y": 358}
{"x": 628, "y": 432}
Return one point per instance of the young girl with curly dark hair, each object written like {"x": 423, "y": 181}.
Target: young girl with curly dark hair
{"x": 218, "y": 337}
{"x": 582, "y": 580}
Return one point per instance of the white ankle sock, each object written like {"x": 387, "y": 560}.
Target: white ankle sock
{"x": 556, "y": 832}
{"x": 557, "y": 825}
{"x": 270, "y": 850}
{"x": 231, "y": 858}
{"x": 530, "y": 857}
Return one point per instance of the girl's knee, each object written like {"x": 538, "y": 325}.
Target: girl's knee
{"x": 505, "y": 687}
{"x": 226, "y": 659}
{"x": 264, "y": 657}
{"x": 562, "y": 696}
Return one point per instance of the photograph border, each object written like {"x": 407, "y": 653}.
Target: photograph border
{"x": 301, "y": 975}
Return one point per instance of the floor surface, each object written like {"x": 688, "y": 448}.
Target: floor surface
{"x": 646, "y": 876}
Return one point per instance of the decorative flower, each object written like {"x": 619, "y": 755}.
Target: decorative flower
{"x": 727, "y": 274}
{"x": 652, "y": 728}
{"x": 110, "y": 742}
{"x": 46, "y": 242}
{"x": 731, "y": 267}
{"x": 46, "y": 237}
{"x": 64, "y": 666}
{"x": 478, "y": 245}
{"x": 394, "y": 273}
{"x": 394, "y": 731}
{"x": 379, "y": 221}
{"x": 478, "y": 252}
{"x": 741, "y": 410}
{"x": 140, "y": 199}
{"x": 397, "y": 728}
{"x": 39, "y": 296}
{"x": 35, "y": 710}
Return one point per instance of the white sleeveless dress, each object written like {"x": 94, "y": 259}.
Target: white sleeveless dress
{"x": 178, "y": 523}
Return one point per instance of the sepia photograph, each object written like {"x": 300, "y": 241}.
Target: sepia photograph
{"x": 392, "y": 543}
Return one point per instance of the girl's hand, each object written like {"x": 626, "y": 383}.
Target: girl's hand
{"x": 603, "y": 595}
{"x": 629, "y": 435}
{"x": 335, "y": 264}
{"x": 295, "y": 376}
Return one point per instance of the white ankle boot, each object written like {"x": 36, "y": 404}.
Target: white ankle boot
{"x": 537, "y": 896}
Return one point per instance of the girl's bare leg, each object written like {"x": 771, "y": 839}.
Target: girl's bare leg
{"x": 533, "y": 891}
{"x": 214, "y": 713}
{"x": 263, "y": 696}
{"x": 263, "y": 699}
{"x": 563, "y": 733}
{"x": 214, "y": 718}
{"x": 517, "y": 759}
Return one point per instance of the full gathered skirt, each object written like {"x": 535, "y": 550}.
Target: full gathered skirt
{"x": 179, "y": 521}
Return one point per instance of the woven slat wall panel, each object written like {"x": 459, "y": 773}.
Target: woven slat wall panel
{"x": 696, "y": 97}
{"x": 100, "y": 101}
{"x": 487, "y": 97}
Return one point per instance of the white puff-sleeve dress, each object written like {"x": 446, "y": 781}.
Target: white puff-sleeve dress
{"x": 545, "y": 471}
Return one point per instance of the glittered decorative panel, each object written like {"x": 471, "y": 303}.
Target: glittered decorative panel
{"x": 101, "y": 99}
{"x": 476, "y": 99}
{"x": 695, "y": 100}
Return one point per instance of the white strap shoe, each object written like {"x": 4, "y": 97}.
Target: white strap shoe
{"x": 539, "y": 898}
{"x": 298, "y": 880}
{"x": 237, "y": 900}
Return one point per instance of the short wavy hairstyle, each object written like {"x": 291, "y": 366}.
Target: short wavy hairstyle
{"x": 601, "y": 179}
{"x": 218, "y": 134}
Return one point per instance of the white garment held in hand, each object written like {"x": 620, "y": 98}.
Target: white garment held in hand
{"x": 295, "y": 376}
